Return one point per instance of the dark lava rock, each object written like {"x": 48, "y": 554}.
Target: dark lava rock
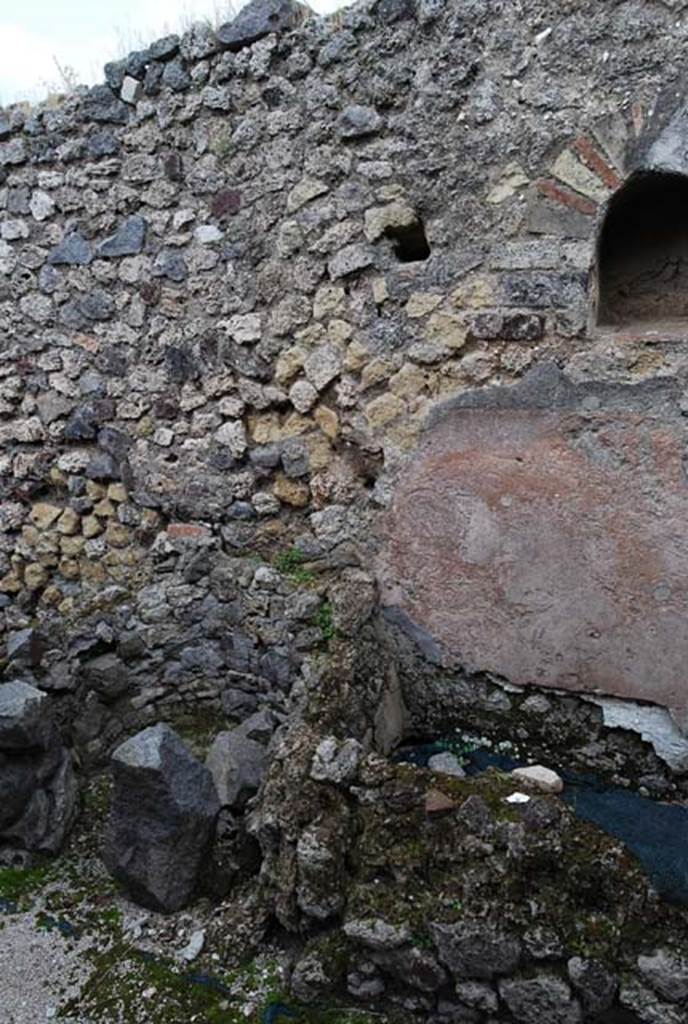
{"x": 257, "y": 19}
{"x": 128, "y": 240}
{"x": 103, "y": 106}
{"x": 163, "y": 49}
{"x": 162, "y": 821}
{"x": 237, "y": 765}
{"x": 107, "y": 675}
{"x": 475, "y": 949}
{"x": 103, "y": 467}
{"x": 72, "y": 250}
{"x": 114, "y": 72}
{"x": 102, "y": 143}
{"x": 25, "y": 647}
{"x": 97, "y": 305}
{"x": 24, "y": 718}
{"x": 666, "y": 973}
{"x": 389, "y": 11}
{"x": 544, "y": 998}
{"x": 49, "y": 814}
{"x": 225, "y": 203}
{"x": 38, "y": 790}
{"x": 85, "y": 420}
{"x": 172, "y": 266}
{"x": 593, "y": 983}
{"x": 175, "y": 76}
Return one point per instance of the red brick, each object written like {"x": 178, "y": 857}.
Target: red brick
{"x": 187, "y": 531}
{"x": 638, "y": 116}
{"x": 566, "y": 197}
{"x": 593, "y": 159}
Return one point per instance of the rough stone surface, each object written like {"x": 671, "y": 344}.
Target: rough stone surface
{"x": 257, "y": 19}
{"x": 336, "y": 762}
{"x": 217, "y": 267}
{"x": 539, "y": 777}
{"x": 361, "y": 234}
{"x": 595, "y": 986}
{"x": 666, "y": 973}
{"x": 38, "y": 789}
{"x": 237, "y": 764}
{"x": 162, "y": 819}
{"x": 545, "y": 997}
{"x": 446, "y": 763}
{"x": 474, "y": 950}
{"x": 128, "y": 240}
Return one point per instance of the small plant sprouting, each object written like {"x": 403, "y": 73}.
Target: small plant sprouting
{"x": 290, "y": 564}
{"x": 325, "y": 621}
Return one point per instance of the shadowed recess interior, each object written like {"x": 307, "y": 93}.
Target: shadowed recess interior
{"x": 643, "y": 255}
{"x": 409, "y": 242}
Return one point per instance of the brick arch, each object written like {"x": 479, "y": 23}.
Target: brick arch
{"x": 591, "y": 180}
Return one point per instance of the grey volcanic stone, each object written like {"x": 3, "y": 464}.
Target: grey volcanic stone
{"x": 357, "y": 121}
{"x": 114, "y": 72}
{"x": 103, "y": 467}
{"x": 447, "y": 763}
{"x": 259, "y": 727}
{"x": 237, "y": 765}
{"x": 258, "y": 19}
{"x": 24, "y": 718}
{"x": 163, "y": 49}
{"x": 389, "y": 11}
{"x": 198, "y": 42}
{"x": 38, "y": 790}
{"x": 349, "y": 260}
{"x": 162, "y": 821}
{"x": 108, "y": 676}
{"x": 644, "y": 1002}
{"x": 128, "y": 240}
{"x": 666, "y": 973}
{"x": 175, "y": 76}
{"x": 25, "y": 647}
{"x": 101, "y": 105}
{"x": 17, "y": 784}
{"x": 545, "y": 998}
{"x": 377, "y": 934}
{"x": 49, "y": 813}
{"x": 170, "y": 265}
{"x": 73, "y": 250}
{"x": 473, "y": 949}
{"x": 593, "y": 983}
{"x": 336, "y": 761}
{"x": 412, "y": 966}
{"x": 97, "y": 305}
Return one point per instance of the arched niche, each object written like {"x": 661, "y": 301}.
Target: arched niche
{"x": 643, "y": 253}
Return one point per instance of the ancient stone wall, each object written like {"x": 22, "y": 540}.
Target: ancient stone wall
{"x": 235, "y": 282}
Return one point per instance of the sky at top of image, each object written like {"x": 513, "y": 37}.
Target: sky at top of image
{"x": 79, "y": 35}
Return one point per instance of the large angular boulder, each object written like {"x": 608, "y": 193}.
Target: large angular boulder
{"x": 38, "y": 789}
{"x": 162, "y": 822}
{"x": 24, "y": 718}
